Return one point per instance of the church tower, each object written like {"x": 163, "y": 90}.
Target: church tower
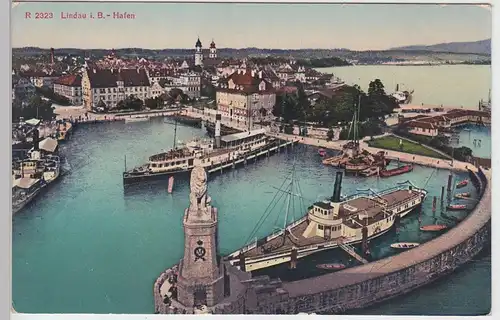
{"x": 213, "y": 51}
{"x": 198, "y": 53}
{"x": 201, "y": 276}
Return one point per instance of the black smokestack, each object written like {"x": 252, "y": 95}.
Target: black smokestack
{"x": 218, "y": 119}
{"x": 36, "y": 139}
{"x": 337, "y": 187}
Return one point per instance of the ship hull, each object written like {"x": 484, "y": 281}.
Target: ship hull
{"x": 136, "y": 178}
{"x": 257, "y": 263}
{"x": 130, "y": 178}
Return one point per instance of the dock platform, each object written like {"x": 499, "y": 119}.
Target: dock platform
{"x": 350, "y": 250}
{"x": 254, "y": 156}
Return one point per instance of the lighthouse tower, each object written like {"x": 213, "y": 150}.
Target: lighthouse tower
{"x": 201, "y": 276}
{"x": 213, "y": 51}
{"x": 198, "y": 54}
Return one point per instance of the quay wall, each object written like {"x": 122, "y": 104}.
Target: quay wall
{"x": 361, "y": 286}
{"x": 374, "y": 282}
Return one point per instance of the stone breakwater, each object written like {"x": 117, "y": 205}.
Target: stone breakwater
{"x": 371, "y": 283}
{"x": 160, "y": 306}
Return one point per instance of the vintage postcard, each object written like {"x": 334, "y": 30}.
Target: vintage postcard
{"x": 251, "y": 158}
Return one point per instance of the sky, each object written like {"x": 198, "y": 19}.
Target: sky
{"x": 230, "y": 25}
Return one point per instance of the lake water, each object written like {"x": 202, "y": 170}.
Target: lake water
{"x": 86, "y": 246}
{"x": 447, "y": 85}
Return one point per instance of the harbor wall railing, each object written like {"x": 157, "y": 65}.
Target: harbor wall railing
{"x": 371, "y": 283}
{"x": 374, "y": 282}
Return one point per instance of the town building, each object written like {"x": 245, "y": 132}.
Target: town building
{"x": 434, "y": 125}
{"x": 160, "y": 74}
{"x": 189, "y": 83}
{"x": 156, "y": 90}
{"x": 22, "y": 88}
{"x": 41, "y": 78}
{"x": 70, "y": 86}
{"x": 245, "y": 95}
{"x": 113, "y": 85}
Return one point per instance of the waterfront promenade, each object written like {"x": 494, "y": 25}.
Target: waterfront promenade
{"x": 337, "y": 145}
{"x": 84, "y": 116}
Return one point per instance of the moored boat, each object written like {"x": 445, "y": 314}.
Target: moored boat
{"x": 463, "y": 195}
{"x": 331, "y": 266}
{"x": 204, "y": 152}
{"x": 322, "y": 152}
{"x": 462, "y": 183}
{"x": 370, "y": 172}
{"x": 336, "y": 222}
{"x": 404, "y": 245}
{"x": 434, "y": 227}
{"x": 456, "y": 207}
{"x": 136, "y": 119}
{"x": 224, "y": 130}
{"x": 187, "y": 120}
{"x": 396, "y": 171}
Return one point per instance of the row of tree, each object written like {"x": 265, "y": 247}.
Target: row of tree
{"x": 35, "y": 107}
{"x": 338, "y": 109}
{"x": 439, "y": 142}
{"x": 54, "y": 97}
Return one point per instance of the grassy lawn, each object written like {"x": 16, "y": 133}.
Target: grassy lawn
{"x": 392, "y": 143}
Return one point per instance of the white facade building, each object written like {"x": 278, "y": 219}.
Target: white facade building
{"x": 246, "y": 95}
{"x": 113, "y": 85}
{"x": 70, "y": 86}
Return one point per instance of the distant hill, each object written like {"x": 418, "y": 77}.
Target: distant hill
{"x": 477, "y": 47}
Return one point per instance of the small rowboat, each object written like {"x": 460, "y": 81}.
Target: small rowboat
{"x": 369, "y": 172}
{"x": 170, "y": 184}
{"x": 404, "y": 245}
{"x": 462, "y": 183}
{"x": 396, "y": 171}
{"x": 322, "y": 152}
{"x": 464, "y": 195}
{"x": 434, "y": 227}
{"x": 331, "y": 266}
{"x": 139, "y": 119}
{"x": 456, "y": 207}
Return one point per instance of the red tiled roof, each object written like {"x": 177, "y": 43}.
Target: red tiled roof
{"x": 37, "y": 74}
{"x": 247, "y": 82}
{"x": 246, "y": 91}
{"x": 70, "y": 80}
{"x": 161, "y": 73}
{"x": 107, "y": 78}
{"x": 287, "y": 89}
{"x": 420, "y": 124}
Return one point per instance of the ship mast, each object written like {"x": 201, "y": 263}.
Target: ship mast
{"x": 175, "y": 133}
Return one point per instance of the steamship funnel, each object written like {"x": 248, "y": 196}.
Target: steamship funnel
{"x": 218, "y": 119}
{"x": 337, "y": 187}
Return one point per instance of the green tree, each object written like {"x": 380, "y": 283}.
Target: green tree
{"x": 154, "y": 103}
{"x": 35, "y": 107}
{"x": 376, "y": 87}
{"x": 130, "y": 103}
{"x": 462, "y": 153}
{"x": 330, "y": 134}
{"x": 208, "y": 90}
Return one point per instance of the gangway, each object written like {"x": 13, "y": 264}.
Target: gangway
{"x": 350, "y": 250}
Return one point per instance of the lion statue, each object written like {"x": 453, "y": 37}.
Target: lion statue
{"x": 198, "y": 184}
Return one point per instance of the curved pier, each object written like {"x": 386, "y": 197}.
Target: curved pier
{"x": 360, "y": 286}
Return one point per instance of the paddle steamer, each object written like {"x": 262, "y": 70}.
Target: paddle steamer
{"x": 209, "y": 154}
{"x": 330, "y": 224}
